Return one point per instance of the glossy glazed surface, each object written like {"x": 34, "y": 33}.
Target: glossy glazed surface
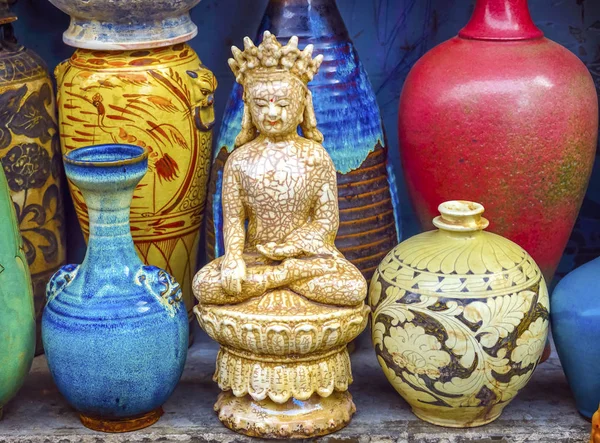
{"x": 30, "y": 156}
{"x": 115, "y": 331}
{"x": 162, "y": 100}
{"x": 349, "y": 118}
{"x": 17, "y": 317}
{"x": 511, "y": 124}
{"x": 576, "y": 328}
{"x": 460, "y": 318}
{"x": 283, "y": 302}
{"x": 130, "y": 24}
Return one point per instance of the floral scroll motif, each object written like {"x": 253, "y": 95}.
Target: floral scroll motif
{"x": 447, "y": 352}
{"x": 412, "y": 349}
{"x": 33, "y": 119}
{"x": 29, "y": 149}
{"x": 26, "y": 166}
{"x": 10, "y": 101}
{"x": 531, "y": 344}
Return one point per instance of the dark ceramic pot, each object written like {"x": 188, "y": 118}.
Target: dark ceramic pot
{"x": 347, "y": 115}
{"x": 115, "y": 331}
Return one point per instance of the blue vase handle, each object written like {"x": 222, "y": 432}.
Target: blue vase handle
{"x": 161, "y": 284}
{"x": 60, "y": 280}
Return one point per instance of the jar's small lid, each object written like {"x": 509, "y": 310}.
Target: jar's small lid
{"x": 461, "y": 216}
{"x": 6, "y": 15}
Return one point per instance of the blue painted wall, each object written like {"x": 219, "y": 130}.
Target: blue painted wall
{"x": 390, "y": 35}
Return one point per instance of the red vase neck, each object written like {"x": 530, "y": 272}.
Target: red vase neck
{"x": 501, "y": 20}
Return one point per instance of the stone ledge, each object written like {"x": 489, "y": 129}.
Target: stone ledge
{"x": 543, "y": 413}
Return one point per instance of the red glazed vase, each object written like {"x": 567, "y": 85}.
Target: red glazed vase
{"x": 502, "y": 116}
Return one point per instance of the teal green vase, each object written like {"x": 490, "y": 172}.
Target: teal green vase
{"x": 17, "y": 318}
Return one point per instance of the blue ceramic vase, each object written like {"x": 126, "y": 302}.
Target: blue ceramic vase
{"x": 115, "y": 331}
{"x": 349, "y": 118}
{"x": 575, "y": 315}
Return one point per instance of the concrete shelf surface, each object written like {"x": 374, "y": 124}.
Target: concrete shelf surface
{"x": 544, "y": 412}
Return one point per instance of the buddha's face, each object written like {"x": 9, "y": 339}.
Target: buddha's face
{"x": 277, "y": 105}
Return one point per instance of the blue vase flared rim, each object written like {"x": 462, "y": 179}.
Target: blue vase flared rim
{"x": 124, "y": 154}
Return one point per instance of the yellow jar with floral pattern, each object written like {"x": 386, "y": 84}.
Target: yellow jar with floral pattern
{"x": 160, "y": 99}
{"x": 459, "y": 319}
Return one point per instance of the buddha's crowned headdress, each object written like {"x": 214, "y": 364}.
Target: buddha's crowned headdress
{"x": 270, "y": 56}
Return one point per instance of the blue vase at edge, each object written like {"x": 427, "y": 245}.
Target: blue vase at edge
{"x": 115, "y": 331}
{"x": 575, "y": 315}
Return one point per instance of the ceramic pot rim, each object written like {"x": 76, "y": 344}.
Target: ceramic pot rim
{"x": 130, "y": 155}
{"x": 461, "y": 208}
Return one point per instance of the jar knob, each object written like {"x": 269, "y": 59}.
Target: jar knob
{"x": 461, "y": 216}
{"x": 6, "y": 15}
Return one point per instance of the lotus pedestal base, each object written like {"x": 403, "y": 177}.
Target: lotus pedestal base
{"x": 275, "y": 350}
{"x": 123, "y": 424}
{"x": 314, "y": 417}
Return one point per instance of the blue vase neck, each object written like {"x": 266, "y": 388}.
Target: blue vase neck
{"x": 110, "y": 238}
{"x": 310, "y": 20}
{"x": 107, "y": 175}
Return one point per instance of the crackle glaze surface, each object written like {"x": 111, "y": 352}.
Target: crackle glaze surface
{"x": 115, "y": 331}
{"x": 17, "y": 317}
{"x": 283, "y": 301}
{"x": 473, "y": 121}
{"x": 349, "y": 118}
{"x": 162, "y": 100}
{"x": 131, "y": 24}
{"x": 460, "y": 319}
{"x": 30, "y": 156}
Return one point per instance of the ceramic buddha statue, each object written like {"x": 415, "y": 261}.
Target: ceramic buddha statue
{"x": 283, "y": 302}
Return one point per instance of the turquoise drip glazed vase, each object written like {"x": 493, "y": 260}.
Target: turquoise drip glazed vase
{"x": 576, "y": 329}
{"x": 17, "y": 317}
{"x": 115, "y": 331}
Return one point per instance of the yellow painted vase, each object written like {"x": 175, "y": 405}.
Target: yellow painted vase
{"x": 160, "y": 99}
{"x": 459, "y": 319}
